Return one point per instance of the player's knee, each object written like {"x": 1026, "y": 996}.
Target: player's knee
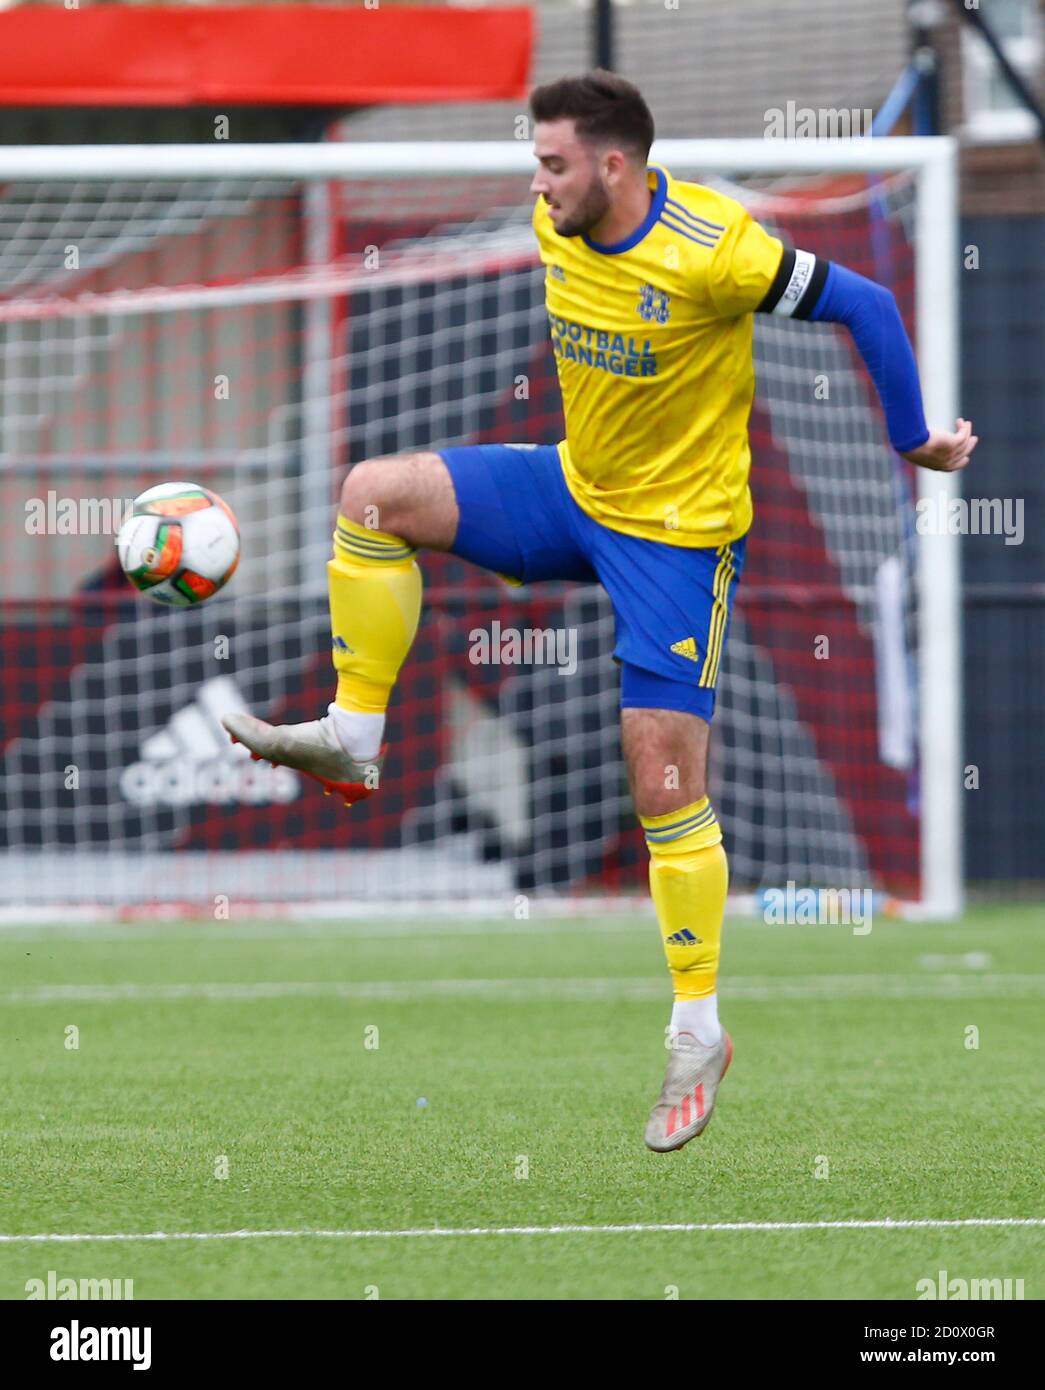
{"x": 407, "y": 495}
{"x": 369, "y": 494}
{"x": 653, "y": 798}
{"x": 664, "y": 777}
{"x": 666, "y": 756}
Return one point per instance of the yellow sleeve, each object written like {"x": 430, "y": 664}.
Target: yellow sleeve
{"x": 743, "y": 267}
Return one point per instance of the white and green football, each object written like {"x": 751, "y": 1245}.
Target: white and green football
{"x": 180, "y": 544}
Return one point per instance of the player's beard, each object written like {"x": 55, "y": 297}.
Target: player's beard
{"x": 593, "y": 208}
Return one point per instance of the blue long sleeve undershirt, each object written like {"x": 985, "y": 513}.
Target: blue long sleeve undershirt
{"x": 869, "y": 311}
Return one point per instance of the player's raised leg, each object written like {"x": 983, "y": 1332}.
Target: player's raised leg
{"x": 666, "y": 756}
{"x": 389, "y": 507}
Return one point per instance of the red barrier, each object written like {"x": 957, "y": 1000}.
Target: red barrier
{"x": 113, "y": 56}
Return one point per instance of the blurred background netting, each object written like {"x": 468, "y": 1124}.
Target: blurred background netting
{"x": 234, "y": 331}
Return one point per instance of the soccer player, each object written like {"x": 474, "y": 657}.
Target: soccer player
{"x": 651, "y": 285}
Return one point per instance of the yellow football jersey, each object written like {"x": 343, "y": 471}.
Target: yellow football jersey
{"x": 653, "y": 345}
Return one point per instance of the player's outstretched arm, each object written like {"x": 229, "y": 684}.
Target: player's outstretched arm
{"x": 808, "y": 287}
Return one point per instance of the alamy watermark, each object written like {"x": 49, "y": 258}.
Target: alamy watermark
{"x": 814, "y": 907}
{"x": 80, "y": 1343}
{"x": 508, "y": 646}
{"x": 970, "y": 516}
{"x": 943, "y": 1287}
{"x": 76, "y": 516}
{"x": 794, "y": 122}
{"x": 54, "y": 1287}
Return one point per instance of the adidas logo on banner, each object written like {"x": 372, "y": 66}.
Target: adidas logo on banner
{"x": 193, "y": 760}
{"x": 687, "y": 648}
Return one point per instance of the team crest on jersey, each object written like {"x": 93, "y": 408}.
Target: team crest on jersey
{"x": 654, "y": 304}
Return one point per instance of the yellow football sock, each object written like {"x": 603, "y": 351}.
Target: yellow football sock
{"x": 688, "y": 877}
{"x": 375, "y": 606}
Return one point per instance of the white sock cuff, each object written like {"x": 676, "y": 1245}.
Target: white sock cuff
{"x": 359, "y": 734}
{"x": 699, "y": 1017}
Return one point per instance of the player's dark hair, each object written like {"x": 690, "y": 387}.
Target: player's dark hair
{"x": 606, "y": 110}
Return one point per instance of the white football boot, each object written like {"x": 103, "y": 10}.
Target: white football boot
{"x": 313, "y": 749}
{"x": 687, "y": 1098}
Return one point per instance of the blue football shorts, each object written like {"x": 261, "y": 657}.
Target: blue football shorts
{"x": 671, "y": 603}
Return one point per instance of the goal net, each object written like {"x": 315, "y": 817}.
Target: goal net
{"x": 260, "y": 318}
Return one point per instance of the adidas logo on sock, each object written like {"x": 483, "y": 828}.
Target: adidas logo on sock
{"x": 684, "y": 938}
{"x": 687, "y": 648}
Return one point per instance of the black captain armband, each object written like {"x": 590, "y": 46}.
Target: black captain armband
{"x": 808, "y": 287}
{"x": 797, "y": 285}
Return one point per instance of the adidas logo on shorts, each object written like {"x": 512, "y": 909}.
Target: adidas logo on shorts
{"x": 687, "y": 648}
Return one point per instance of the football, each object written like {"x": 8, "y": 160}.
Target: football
{"x": 180, "y": 544}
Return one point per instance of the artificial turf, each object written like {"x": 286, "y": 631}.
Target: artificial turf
{"x": 514, "y": 1069}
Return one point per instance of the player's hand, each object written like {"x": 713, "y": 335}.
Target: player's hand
{"x": 945, "y": 452}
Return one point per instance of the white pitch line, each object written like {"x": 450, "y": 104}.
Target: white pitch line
{"x": 749, "y": 989}
{"x": 295, "y": 929}
{"x": 636, "y": 1228}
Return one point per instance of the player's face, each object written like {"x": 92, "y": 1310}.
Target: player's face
{"x": 568, "y": 178}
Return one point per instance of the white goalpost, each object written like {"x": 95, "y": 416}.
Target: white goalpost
{"x": 258, "y": 318}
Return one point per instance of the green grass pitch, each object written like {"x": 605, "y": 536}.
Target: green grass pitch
{"x": 537, "y": 1047}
